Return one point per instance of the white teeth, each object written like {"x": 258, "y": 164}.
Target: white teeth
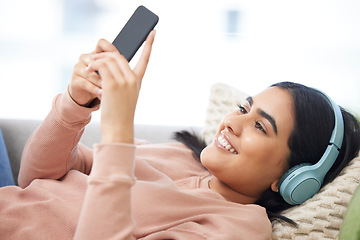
{"x": 226, "y": 144}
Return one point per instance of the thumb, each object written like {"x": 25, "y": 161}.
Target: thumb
{"x": 141, "y": 65}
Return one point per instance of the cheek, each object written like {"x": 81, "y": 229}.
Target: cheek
{"x": 262, "y": 153}
{"x": 253, "y": 147}
{"x": 271, "y": 159}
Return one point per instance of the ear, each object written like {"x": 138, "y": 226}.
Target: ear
{"x": 275, "y": 185}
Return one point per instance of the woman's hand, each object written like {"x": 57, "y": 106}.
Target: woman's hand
{"x": 120, "y": 87}
{"x": 85, "y": 86}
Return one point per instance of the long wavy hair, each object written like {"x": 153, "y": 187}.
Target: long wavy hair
{"x": 314, "y": 122}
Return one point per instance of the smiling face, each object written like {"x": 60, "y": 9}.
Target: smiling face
{"x": 250, "y": 150}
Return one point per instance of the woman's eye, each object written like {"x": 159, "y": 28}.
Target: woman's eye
{"x": 259, "y": 126}
{"x": 242, "y": 109}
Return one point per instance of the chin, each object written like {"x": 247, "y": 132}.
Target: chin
{"x": 210, "y": 157}
{"x": 202, "y": 154}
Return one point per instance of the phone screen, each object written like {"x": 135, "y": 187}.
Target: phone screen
{"x": 135, "y": 31}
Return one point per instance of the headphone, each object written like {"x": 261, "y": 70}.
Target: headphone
{"x": 303, "y": 181}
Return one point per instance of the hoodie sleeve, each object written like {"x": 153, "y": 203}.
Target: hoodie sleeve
{"x": 106, "y": 212}
{"x": 53, "y": 149}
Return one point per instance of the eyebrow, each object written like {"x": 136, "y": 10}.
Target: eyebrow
{"x": 264, "y": 114}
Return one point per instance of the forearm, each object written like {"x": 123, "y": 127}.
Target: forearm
{"x": 53, "y": 148}
{"x": 106, "y": 212}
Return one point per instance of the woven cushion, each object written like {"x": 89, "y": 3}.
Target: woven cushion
{"x": 321, "y": 216}
{"x": 318, "y": 218}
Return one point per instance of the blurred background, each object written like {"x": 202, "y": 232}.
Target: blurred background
{"x": 246, "y": 44}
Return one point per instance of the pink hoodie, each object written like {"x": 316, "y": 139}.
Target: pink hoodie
{"x": 139, "y": 191}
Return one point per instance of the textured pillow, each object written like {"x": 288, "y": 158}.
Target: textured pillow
{"x": 321, "y": 216}
{"x": 318, "y": 218}
{"x": 223, "y": 100}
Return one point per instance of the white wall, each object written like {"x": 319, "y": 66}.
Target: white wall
{"x": 316, "y": 43}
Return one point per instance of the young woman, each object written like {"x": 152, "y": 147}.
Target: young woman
{"x": 127, "y": 189}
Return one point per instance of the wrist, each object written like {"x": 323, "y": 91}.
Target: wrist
{"x": 70, "y": 112}
{"x": 87, "y": 103}
{"x": 117, "y": 139}
{"x": 118, "y": 135}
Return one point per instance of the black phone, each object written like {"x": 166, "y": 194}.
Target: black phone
{"x": 135, "y": 31}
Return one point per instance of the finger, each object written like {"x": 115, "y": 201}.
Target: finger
{"x": 85, "y": 58}
{"x": 109, "y": 71}
{"x": 80, "y": 85}
{"x": 119, "y": 60}
{"x": 84, "y": 61}
{"x": 82, "y": 70}
{"x": 91, "y": 88}
{"x": 104, "y": 46}
{"x": 141, "y": 65}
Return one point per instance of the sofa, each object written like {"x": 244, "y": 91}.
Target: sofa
{"x": 320, "y": 217}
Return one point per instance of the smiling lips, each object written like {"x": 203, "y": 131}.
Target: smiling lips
{"x": 226, "y": 144}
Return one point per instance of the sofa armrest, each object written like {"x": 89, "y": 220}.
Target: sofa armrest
{"x": 16, "y": 132}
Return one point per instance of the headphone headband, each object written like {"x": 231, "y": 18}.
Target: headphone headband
{"x": 335, "y": 142}
{"x": 303, "y": 181}
{"x": 338, "y": 132}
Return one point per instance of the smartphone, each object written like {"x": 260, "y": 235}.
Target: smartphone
{"x": 135, "y": 31}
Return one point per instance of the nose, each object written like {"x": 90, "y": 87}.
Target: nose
{"x": 235, "y": 124}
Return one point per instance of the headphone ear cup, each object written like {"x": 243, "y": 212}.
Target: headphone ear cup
{"x": 290, "y": 171}
{"x": 304, "y": 180}
{"x": 299, "y": 183}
